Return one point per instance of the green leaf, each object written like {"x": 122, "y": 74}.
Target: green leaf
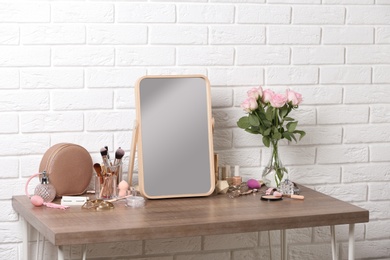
{"x": 261, "y": 129}
{"x": 291, "y": 126}
{"x": 262, "y": 116}
{"x": 266, "y": 141}
{"x": 243, "y": 122}
{"x": 283, "y": 111}
{"x": 301, "y": 133}
{"x": 261, "y": 109}
{"x": 267, "y": 123}
{"x": 252, "y": 131}
{"x": 269, "y": 113}
{"x": 277, "y": 136}
{"x": 254, "y": 120}
{"x": 287, "y": 135}
{"x": 293, "y": 136}
{"x": 288, "y": 119}
{"x": 268, "y": 131}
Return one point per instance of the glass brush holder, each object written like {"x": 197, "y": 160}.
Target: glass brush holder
{"x": 106, "y": 186}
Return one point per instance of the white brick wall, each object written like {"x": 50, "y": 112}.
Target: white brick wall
{"x": 22, "y": 56}
{"x": 52, "y": 34}
{"x": 293, "y": 34}
{"x": 67, "y": 74}
{"x": 51, "y": 78}
{"x": 82, "y": 12}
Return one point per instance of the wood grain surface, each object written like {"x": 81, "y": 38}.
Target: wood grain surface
{"x": 182, "y": 217}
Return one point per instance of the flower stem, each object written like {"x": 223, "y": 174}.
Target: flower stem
{"x": 279, "y": 169}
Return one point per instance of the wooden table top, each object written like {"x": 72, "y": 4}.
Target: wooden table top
{"x": 187, "y": 217}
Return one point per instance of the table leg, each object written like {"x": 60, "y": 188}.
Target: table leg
{"x": 37, "y": 247}
{"x": 283, "y": 244}
{"x": 43, "y": 247}
{"x": 351, "y": 244}
{"x": 60, "y": 250}
{"x": 333, "y": 242}
{"x": 269, "y": 245}
{"x": 84, "y": 250}
{"x": 25, "y": 236}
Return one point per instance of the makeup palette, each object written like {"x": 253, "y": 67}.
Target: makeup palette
{"x": 271, "y": 197}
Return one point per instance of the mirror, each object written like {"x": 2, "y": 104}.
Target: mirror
{"x": 174, "y": 141}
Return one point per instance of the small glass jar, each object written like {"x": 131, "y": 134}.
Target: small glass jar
{"x": 135, "y": 201}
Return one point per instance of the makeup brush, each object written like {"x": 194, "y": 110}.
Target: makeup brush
{"x": 98, "y": 171}
{"x": 118, "y": 156}
{"x": 108, "y": 155}
{"x": 103, "y": 152}
{"x": 119, "y": 153}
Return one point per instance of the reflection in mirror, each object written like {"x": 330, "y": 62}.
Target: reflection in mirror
{"x": 175, "y": 146}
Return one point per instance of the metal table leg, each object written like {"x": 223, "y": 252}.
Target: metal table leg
{"x": 283, "y": 244}
{"x": 351, "y": 243}
{"x": 26, "y": 232}
{"x": 84, "y": 250}
{"x": 43, "y": 247}
{"x": 333, "y": 242}
{"x": 60, "y": 250}
{"x": 38, "y": 245}
{"x": 269, "y": 245}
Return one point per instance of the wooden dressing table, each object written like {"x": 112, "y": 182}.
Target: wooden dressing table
{"x": 188, "y": 217}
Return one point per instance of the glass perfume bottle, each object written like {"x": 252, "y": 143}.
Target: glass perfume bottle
{"x": 45, "y": 190}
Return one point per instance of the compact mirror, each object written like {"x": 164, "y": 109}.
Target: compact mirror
{"x": 174, "y": 141}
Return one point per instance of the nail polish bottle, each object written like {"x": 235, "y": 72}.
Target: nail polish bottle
{"x": 237, "y": 179}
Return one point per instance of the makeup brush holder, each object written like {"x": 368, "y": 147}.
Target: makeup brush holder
{"x": 117, "y": 170}
{"x": 106, "y": 188}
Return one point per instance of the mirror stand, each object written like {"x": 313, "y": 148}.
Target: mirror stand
{"x": 132, "y": 153}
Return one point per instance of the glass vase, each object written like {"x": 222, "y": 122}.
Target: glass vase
{"x": 274, "y": 172}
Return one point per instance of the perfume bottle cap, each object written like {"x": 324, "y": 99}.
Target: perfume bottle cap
{"x": 44, "y": 178}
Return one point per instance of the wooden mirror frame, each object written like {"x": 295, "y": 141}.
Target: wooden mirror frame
{"x": 207, "y": 180}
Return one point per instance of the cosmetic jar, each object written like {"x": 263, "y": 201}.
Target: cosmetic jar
{"x": 135, "y": 202}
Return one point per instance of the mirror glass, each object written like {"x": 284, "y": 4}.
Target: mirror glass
{"x": 175, "y": 146}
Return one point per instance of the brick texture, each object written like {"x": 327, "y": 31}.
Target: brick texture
{"x": 68, "y": 71}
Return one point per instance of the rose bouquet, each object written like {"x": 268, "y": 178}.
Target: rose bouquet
{"x": 267, "y": 114}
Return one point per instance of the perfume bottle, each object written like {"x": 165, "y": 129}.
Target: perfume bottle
{"x": 45, "y": 190}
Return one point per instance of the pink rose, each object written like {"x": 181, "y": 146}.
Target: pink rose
{"x": 260, "y": 90}
{"x": 267, "y": 95}
{"x": 255, "y": 93}
{"x": 249, "y": 104}
{"x": 278, "y": 100}
{"x": 293, "y": 97}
